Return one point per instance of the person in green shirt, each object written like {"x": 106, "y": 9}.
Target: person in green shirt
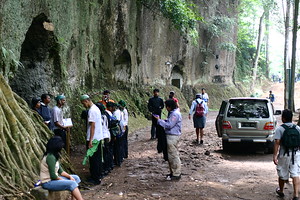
{"x": 52, "y": 176}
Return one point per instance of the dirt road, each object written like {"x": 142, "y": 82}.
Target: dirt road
{"x": 241, "y": 175}
{"x": 278, "y": 91}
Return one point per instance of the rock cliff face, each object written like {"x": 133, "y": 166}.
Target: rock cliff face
{"x": 75, "y": 44}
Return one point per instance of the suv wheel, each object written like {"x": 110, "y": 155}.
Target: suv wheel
{"x": 269, "y": 147}
{"x": 226, "y": 145}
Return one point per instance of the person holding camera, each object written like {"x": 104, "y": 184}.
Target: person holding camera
{"x": 106, "y": 98}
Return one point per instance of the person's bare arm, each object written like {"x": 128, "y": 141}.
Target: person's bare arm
{"x": 92, "y": 132}
{"x": 276, "y": 150}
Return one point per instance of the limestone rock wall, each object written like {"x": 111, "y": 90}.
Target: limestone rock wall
{"x": 71, "y": 44}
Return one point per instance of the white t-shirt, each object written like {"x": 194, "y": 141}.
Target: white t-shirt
{"x": 279, "y": 133}
{"x": 57, "y": 116}
{"x": 125, "y": 117}
{"x": 204, "y": 97}
{"x": 94, "y": 115}
{"x": 117, "y": 114}
{"x": 106, "y": 133}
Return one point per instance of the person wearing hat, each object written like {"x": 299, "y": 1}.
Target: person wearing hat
{"x": 36, "y": 105}
{"x": 199, "y": 110}
{"x": 124, "y": 126}
{"x": 93, "y": 138}
{"x": 57, "y": 118}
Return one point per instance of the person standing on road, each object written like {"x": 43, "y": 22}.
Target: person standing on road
{"x": 271, "y": 96}
{"x": 93, "y": 139}
{"x": 172, "y": 126}
{"x": 155, "y": 106}
{"x": 172, "y": 96}
{"x": 199, "y": 111}
{"x": 204, "y": 95}
{"x": 287, "y": 160}
{"x": 124, "y": 126}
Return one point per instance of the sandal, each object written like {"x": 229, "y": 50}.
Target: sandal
{"x": 280, "y": 194}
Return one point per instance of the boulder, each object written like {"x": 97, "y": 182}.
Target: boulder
{"x": 41, "y": 194}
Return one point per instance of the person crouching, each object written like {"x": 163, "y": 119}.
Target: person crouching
{"x": 172, "y": 126}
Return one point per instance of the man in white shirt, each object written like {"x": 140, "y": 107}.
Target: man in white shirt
{"x": 124, "y": 126}
{"x": 94, "y": 136}
{"x": 57, "y": 118}
{"x": 204, "y": 95}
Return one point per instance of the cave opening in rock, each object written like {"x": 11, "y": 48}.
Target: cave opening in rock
{"x": 41, "y": 60}
{"x": 123, "y": 66}
{"x": 177, "y": 77}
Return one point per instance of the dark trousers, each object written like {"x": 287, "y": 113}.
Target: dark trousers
{"x": 154, "y": 126}
{"x": 95, "y": 163}
{"x": 110, "y": 154}
{"x": 107, "y": 156}
{"x": 125, "y": 143}
{"x": 118, "y": 154}
{"x": 62, "y": 134}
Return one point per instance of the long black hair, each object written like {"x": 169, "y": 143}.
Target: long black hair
{"x": 54, "y": 146}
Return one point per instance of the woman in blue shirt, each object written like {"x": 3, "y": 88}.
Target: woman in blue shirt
{"x": 172, "y": 127}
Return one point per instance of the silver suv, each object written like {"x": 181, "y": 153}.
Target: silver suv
{"x": 246, "y": 120}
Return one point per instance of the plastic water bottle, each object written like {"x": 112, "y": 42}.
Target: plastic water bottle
{"x": 38, "y": 183}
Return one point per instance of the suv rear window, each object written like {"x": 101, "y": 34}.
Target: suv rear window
{"x": 248, "y": 108}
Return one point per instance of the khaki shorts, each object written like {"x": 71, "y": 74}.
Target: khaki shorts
{"x": 286, "y": 168}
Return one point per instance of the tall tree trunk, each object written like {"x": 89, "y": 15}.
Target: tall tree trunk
{"x": 254, "y": 72}
{"x": 267, "y": 18}
{"x": 286, "y": 51}
{"x": 293, "y": 63}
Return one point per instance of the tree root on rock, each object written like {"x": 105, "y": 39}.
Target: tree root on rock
{"x": 23, "y": 136}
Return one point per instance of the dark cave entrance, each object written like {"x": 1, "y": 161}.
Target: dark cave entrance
{"x": 40, "y": 57}
{"x": 123, "y": 66}
{"x": 177, "y": 76}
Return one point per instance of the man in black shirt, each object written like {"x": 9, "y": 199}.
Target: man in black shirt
{"x": 155, "y": 105}
{"x": 45, "y": 110}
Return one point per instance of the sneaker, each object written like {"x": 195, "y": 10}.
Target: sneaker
{"x": 280, "y": 194}
{"x": 295, "y": 198}
{"x": 176, "y": 178}
{"x": 201, "y": 141}
{"x": 168, "y": 178}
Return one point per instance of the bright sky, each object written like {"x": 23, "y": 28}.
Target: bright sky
{"x": 277, "y": 41}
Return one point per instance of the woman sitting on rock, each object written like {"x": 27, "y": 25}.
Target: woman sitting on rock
{"x": 50, "y": 170}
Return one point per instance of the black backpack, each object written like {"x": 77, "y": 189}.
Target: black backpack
{"x": 290, "y": 139}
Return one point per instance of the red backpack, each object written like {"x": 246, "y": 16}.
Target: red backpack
{"x": 199, "y": 109}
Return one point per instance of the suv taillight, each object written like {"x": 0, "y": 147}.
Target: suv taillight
{"x": 269, "y": 126}
{"x": 226, "y": 125}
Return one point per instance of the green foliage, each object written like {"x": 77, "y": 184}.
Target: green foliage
{"x": 8, "y": 62}
{"x": 180, "y": 12}
{"x": 228, "y": 46}
{"x": 247, "y": 38}
{"x": 219, "y": 26}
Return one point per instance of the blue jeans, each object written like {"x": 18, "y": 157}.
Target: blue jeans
{"x": 59, "y": 185}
